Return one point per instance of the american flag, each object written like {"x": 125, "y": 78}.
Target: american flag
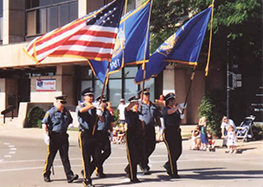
{"x": 92, "y": 36}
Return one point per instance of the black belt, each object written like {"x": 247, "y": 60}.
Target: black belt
{"x": 58, "y": 133}
{"x": 85, "y": 130}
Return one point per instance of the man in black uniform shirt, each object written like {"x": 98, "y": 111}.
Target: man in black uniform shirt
{"x": 55, "y": 124}
{"x": 172, "y": 134}
{"x": 86, "y": 113}
{"x": 133, "y": 138}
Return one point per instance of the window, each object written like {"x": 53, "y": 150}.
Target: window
{"x": 121, "y": 84}
{"x": 46, "y": 15}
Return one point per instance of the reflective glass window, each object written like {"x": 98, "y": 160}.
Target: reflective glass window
{"x": 52, "y": 18}
{"x": 63, "y": 15}
{"x": 73, "y": 11}
{"x": 115, "y": 91}
{"x": 131, "y": 89}
{"x": 130, "y": 72}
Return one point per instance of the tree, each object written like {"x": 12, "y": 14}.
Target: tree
{"x": 238, "y": 21}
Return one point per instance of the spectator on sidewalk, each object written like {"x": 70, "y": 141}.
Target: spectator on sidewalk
{"x": 120, "y": 109}
{"x": 203, "y": 135}
{"x": 224, "y": 126}
{"x": 231, "y": 140}
{"x": 196, "y": 141}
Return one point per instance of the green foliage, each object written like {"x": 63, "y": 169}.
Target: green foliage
{"x": 213, "y": 109}
{"x": 35, "y": 116}
{"x": 238, "y": 21}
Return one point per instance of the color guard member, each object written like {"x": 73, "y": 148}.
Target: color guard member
{"x": 102, "y": 136}
{"x": 150, "y": 115}
{"x": 55, "y": 124}
{"x": 133, "y": 137}
{"x": 172, "y": 134}
{"x": 86, "y": 113}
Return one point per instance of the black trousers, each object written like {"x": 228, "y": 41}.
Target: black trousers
{"x": 102, "y": 150}
{"x": 173, "y": 140}
{"x": 148, "y": 145}
{"x": 87, "y": 145}
{"x": 134, "y": 152}
{"x": 58, "y": 142}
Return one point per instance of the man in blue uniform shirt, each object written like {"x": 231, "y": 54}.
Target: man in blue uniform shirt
{"x": 55, "y": 124}
{"x": 86, "y": 113}
{"x": 103, "y": 145}
{"x": 150, "y": 115}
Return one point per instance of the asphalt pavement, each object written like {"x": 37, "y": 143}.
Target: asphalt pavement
{"x": 23, "y": 152}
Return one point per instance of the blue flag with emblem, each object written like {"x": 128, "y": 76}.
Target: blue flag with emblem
{"x": 182, "y": 47}
{"x": 134, "y": 40}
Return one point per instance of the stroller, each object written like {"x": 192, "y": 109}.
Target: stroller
{"x": 244, "y": 131}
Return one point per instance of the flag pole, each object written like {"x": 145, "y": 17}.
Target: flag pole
{"x": 189, "y": 88}
{"x": 207, "y": 65}
{"x": 210, "y": 40}
{"x": 106, "y": 78}
{"x": 145, "y": 48}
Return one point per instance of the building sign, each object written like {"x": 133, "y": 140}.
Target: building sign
{"x": 44, "y": 85}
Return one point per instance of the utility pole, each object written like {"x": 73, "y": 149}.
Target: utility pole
{"x": 227, "y": 82}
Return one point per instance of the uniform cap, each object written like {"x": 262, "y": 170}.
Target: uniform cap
{"x": 87, "y": 91}
{"x": 133, "y": 98}
{"x": 62, "y": 98}
{"x": 122, "y": 99}
{"x": 104, "y": 98}
{"x": 145, "y": 91}
{"x": 169, "y": 96}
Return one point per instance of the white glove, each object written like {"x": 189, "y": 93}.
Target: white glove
{"x": 182, "y": 105}
{"x": 46, "y": 139}
{"x": 96, "y": 104}
{"x": 182, "y": 116}
{"x": 99, "y": 112}
{"x": 160, "y": 130}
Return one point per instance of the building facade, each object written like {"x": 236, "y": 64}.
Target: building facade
{"x": 24, "y": 81}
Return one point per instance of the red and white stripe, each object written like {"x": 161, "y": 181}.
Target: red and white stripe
{"x": 91, "y": 42}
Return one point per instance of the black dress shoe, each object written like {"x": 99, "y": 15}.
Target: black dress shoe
{"x": 72, "y": 178}
{"x": 136, "y": 180}
{"x": 146, "y": 172}
{"x": 176, "y": 176}
{"x": 47, "y": 179}
{"x": 87, "y": 184}
{"x": 168, "y": 169}
{"x": 102, "y": 175}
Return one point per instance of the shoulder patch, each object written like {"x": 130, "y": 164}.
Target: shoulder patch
{"x": 47, "y": 113}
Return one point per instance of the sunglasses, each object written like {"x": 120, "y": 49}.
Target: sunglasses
{"x": 63, "y": 102}
{"x": 91, "y": 95}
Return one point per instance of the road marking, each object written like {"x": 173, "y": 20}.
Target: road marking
{"x": 8, "y": 156}
{"x": 11, "y": 146}
{"x": 13, "y": 149}
{"x": 6, "y": 143}
{"x": 1, "y": 160}
{"x": 11, "y": 152}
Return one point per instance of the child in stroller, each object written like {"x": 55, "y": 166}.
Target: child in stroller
{"x": 244, "y": 131}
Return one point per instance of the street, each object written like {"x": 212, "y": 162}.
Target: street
{"x": 22, "y": 161}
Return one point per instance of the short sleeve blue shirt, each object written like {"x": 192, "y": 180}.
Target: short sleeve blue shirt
{"x": 148, "y": 113}
{"x": 56, "y": 120}
{"x": 86, "y": 119}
